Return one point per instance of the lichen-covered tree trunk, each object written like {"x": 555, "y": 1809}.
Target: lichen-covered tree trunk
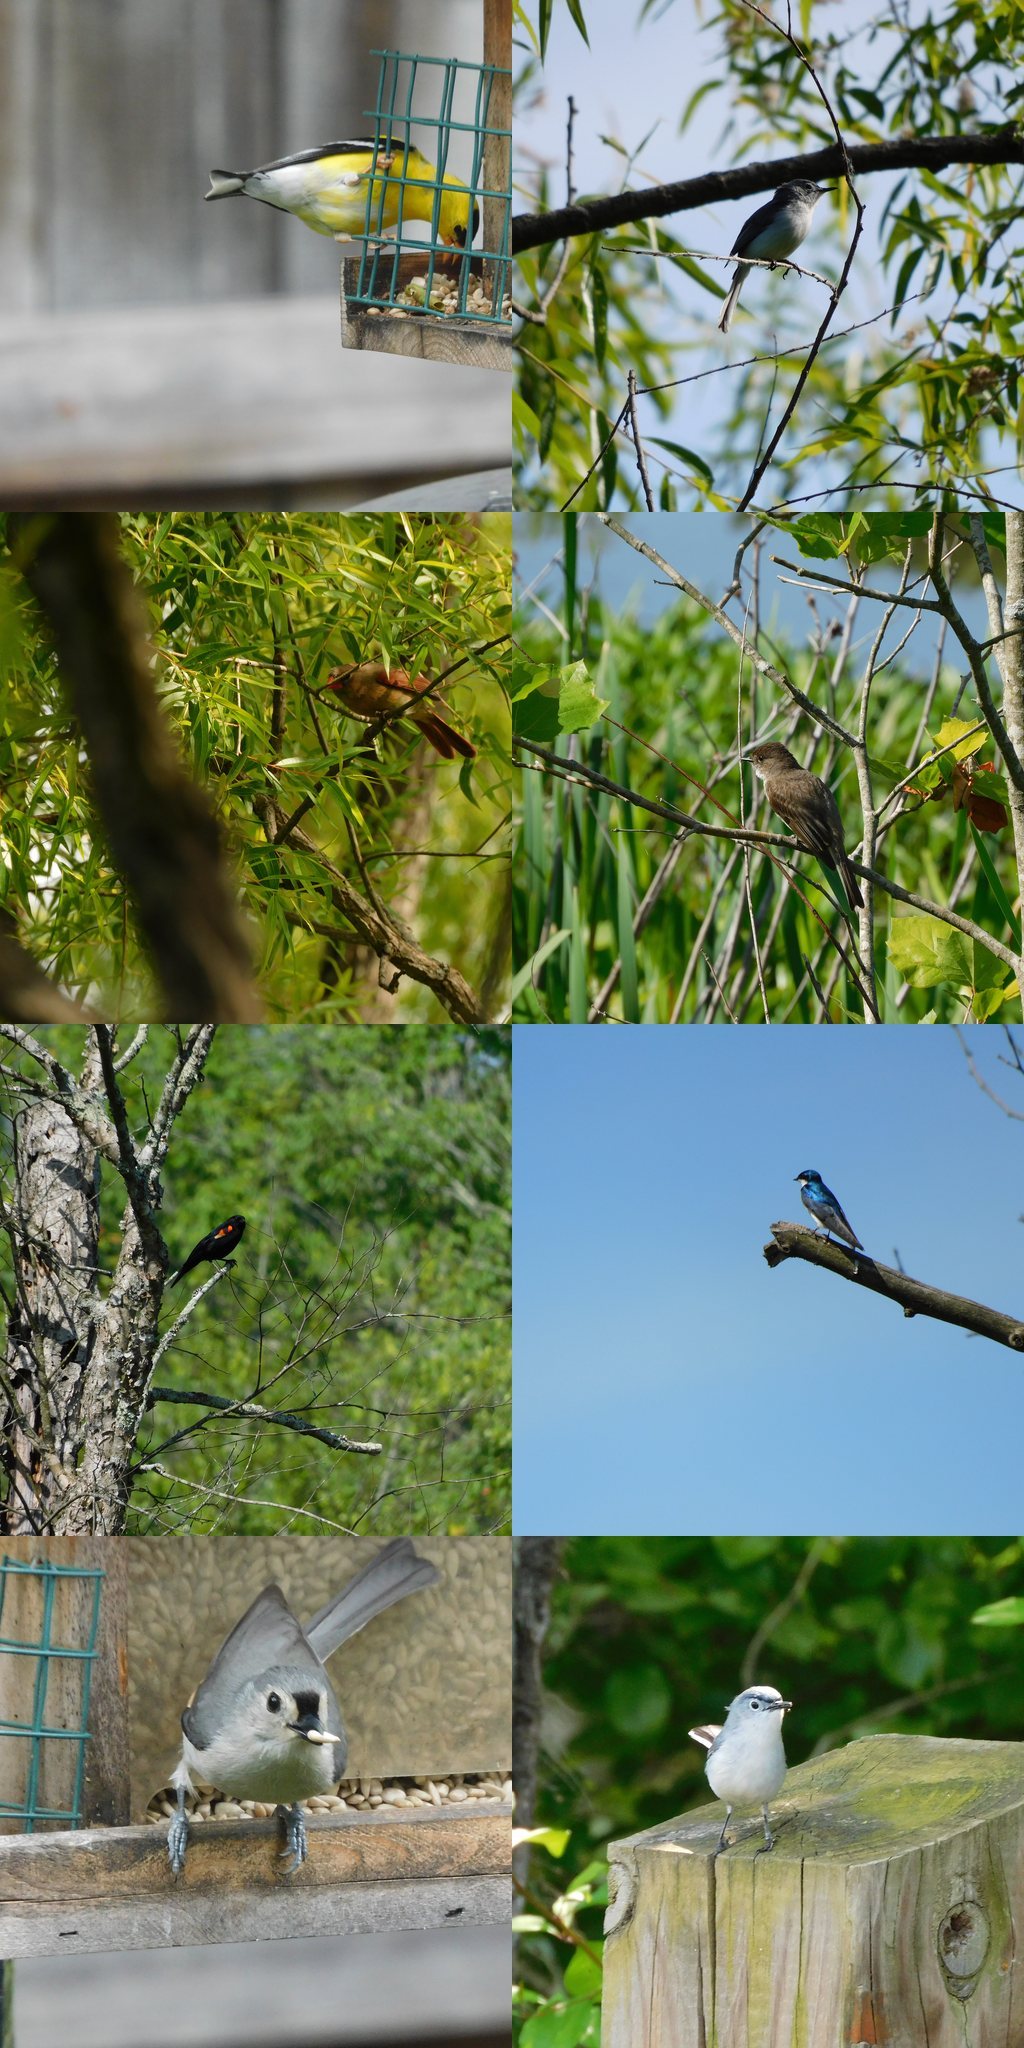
{"x": 51, "y": 1333}
{"x": 78, "y": 1360}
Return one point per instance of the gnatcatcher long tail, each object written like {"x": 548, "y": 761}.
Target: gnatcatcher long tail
{"x": 772, "y": 233}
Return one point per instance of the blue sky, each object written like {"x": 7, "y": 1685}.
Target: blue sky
{"x": 704, "y": 549}
{"x": 666, "y": 1380}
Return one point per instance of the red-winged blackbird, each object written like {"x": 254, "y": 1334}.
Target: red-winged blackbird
{"x": 806, "y": 804}
{"x": 369, "y": 691}
{"x": 217, "y": 1244}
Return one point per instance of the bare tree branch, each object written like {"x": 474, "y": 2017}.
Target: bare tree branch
{"x": 280, "y": 1417}
{"x": 926, "y": 153}
{"x": 915, "y": 1297}
{"x": 578, "y": 771}
{"x": 391, "y": 940}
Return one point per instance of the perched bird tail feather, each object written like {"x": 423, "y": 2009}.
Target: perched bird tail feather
{"x": 851, "y": 886}
{"x": 445, "y": 738}
{"x": 395, "y": 1572}
{"x": 224, "y": 182}
{"x": 741, "y": 272}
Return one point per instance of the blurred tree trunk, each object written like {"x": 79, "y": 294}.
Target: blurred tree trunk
{"x": 536, "y": 1562}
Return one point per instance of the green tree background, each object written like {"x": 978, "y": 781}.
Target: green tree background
{"x": 247, "y": 612}
{"x": 651, "y": 1635}
{"x": 623, "y": 915}
{"x": 370, "y": 1294}
{"x": 920, "y": 384}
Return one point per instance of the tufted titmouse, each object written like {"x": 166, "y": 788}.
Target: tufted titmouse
{"x": 746, "y": 1761}
{"x": 265, "y": 1724}
{"x": 774, "y": 231}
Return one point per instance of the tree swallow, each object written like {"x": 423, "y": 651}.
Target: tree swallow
{"x": 823, "y": 1206}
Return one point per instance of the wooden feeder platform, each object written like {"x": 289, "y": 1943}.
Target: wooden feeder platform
{"x": 112, "y": 1888}
{"x": 411, "y": 330}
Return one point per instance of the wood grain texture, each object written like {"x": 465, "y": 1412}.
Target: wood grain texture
{"x": 113, "y": 1888}
{"x": 891, "y": 1910}
{"x": 20, "y": 156}
{"x": 431, "y": 338}
{"x": 106, "y": 1801}
{"x": 497, "y": 163}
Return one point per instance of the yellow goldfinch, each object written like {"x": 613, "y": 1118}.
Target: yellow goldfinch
{"x": 327, "y": 189}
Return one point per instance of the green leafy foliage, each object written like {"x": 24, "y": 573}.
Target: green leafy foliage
{"x": 247, "y": 613}
{"x": 922, "y": 358}
{"x": 866, "y": 1635}
{"x": 370, "y": 1294}
{"x": 622, "y": 914}
{"x": 882, "y": 1636}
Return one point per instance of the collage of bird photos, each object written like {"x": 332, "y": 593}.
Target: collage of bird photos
{"x": 511, "y": 1024}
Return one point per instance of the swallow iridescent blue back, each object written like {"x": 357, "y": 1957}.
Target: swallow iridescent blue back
{"x": 825, "y": 1208}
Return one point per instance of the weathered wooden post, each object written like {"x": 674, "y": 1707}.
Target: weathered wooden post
{"x": 890, "y": 1913}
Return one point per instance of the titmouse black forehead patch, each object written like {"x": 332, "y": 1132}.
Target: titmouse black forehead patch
{"x": 308, "y": 1703}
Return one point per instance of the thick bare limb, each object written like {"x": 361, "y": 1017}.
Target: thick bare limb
{"x": 906, "y": 153}
{"x": 915, "y": 1297}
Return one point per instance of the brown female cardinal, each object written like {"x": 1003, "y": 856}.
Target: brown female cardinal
{"x": 371, "y": 692}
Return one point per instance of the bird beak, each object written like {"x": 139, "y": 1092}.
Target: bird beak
{"x": 782, "y": 1705}
{"x": 311, "y": 1728}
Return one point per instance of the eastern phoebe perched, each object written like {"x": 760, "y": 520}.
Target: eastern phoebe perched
{"x": 806, "y": 804}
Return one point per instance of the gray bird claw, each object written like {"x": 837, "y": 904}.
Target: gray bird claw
{"x": 295, "y": 1844}
{"x": 177, "y": 1843}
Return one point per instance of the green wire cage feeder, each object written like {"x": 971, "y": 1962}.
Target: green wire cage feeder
{"x": 433, "y": 278}
{"x": 45, "y": 1679}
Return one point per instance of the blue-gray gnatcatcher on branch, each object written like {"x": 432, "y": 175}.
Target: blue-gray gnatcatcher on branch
{"x": 746, "y": 1761}
{"x": 772, "y": 233}
{"x": 265, "y": 1724}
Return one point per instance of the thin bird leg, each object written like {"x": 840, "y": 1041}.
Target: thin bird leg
{"x": 292, "y": 1822}
{"x": 177, "y": 1836}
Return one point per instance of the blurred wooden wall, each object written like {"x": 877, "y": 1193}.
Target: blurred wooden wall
{"x": 112, "y": 113}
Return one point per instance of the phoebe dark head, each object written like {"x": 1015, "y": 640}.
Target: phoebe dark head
{"x": 770, "y": 755}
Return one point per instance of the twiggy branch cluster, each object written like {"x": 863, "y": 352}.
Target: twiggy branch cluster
{"x": 793, "y": 704}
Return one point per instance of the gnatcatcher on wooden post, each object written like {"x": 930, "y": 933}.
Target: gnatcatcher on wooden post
{"x": 891, "y": 1909}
